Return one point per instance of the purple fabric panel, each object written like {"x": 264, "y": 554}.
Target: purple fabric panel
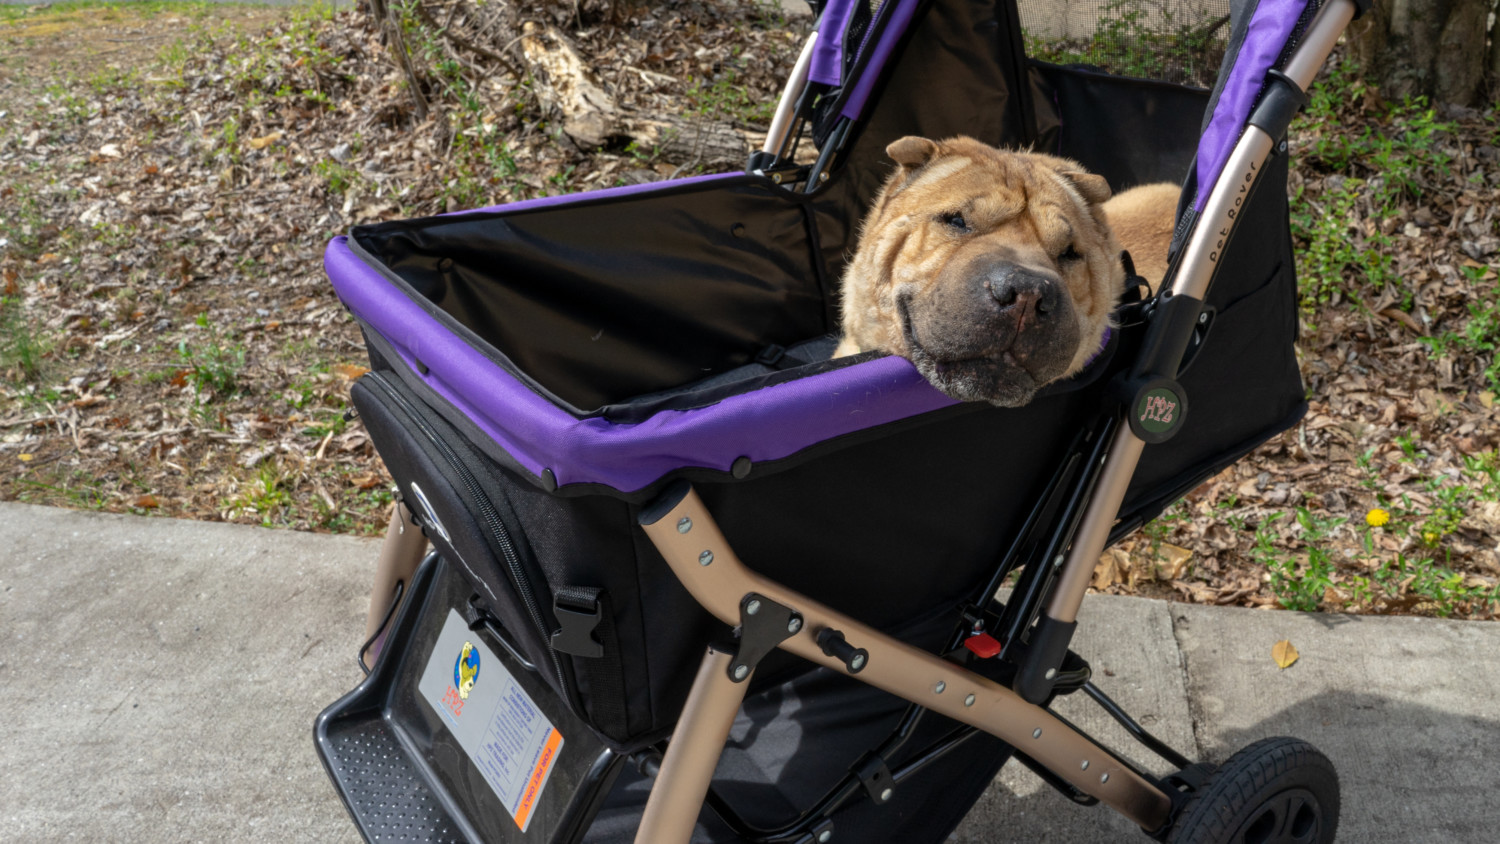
{"x": 1266, "y": 37}
{"x": 828, "y": 54}
{"x": 765, "y": 424}
{"x": 570, "y": 198}
{"x": 880, "y": 54}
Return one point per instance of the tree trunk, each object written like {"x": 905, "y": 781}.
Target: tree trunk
{"x": 1433, "y": 48}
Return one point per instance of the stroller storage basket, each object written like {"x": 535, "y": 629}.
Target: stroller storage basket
{"x": 542, "y": 371}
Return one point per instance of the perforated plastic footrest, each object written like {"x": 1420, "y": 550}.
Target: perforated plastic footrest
{"x": 387, "y": 795}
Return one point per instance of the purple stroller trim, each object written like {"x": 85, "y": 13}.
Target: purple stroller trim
{"x": 766, "y": 424}
{"x": 880, "y": 53}
{"x": 586, "y": 196}
{"x": 1265, "y": 39}
{"x": 828, "y": 52}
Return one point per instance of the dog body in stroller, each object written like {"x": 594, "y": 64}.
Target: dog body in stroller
{"x": 618, "y": 422}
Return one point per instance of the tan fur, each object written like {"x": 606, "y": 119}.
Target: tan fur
{"x": 956, "y": 229}
{"x": 1142, "y": 221}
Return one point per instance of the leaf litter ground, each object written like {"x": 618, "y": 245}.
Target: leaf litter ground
{"x": 169, "y": 345}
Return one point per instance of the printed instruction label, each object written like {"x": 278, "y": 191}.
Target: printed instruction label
{"x": 495, "y": 721}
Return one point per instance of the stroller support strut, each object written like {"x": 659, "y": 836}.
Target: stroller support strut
{"x": 1190, "y": 277}
{"x": 683, "y": 531}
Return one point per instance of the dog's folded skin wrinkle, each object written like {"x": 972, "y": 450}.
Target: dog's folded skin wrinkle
{"x": 995, "y": 273}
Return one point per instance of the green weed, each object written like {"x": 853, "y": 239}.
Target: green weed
{"x": 212, "y": 367}
{"x": 23, "y": 345}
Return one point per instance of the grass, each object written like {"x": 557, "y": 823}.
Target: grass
{"x": 212, "y": 367}
{"x": 24, "y": 347}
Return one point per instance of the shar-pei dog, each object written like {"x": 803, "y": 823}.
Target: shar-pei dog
{"x": 996, "y": 273}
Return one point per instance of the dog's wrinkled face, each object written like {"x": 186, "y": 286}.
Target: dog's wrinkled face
{"x": 993, "y": 272}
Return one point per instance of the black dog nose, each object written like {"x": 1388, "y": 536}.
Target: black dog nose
{"x": 1025, "y": 293}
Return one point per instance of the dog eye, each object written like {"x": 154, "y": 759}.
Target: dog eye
{"x": 956, "y": 220}
{"x": 1069, "y": 254}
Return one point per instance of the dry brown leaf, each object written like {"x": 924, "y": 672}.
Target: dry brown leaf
{"x": 146, "y": 502}
{"x": 262, "y": 143}
{"x": 349, "y": 371}
{"x": 1285, "y": 653}
{"x": 1171, "y": 561}
{"x": 369, "y": 481}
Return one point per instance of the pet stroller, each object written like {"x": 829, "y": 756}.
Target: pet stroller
{"x": 596, "y": 407}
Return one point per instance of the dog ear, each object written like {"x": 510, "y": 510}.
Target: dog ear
{"x": 911, "y": 151}
{"x": 1091, "y": 186}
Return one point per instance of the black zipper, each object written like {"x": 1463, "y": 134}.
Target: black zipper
{"x": 491, "y": 519}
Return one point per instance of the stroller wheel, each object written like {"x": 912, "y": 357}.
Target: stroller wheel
{"x": 1275, "y": 791}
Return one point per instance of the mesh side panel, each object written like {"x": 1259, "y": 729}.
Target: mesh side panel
{"x": 1178, "y": 41}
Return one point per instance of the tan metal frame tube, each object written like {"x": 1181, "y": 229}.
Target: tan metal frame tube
{"x": 895, "y": 667}
{"x": 1199, "y": 261}
{"x": 400, "y": 554}
{"x": 781, "y": 122}
{"x": 697, "y": 742}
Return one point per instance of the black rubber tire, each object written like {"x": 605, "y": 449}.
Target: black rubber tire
{"x": 1276, "y": 791}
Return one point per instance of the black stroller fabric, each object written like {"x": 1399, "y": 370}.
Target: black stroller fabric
{"x": 626, "y": 309}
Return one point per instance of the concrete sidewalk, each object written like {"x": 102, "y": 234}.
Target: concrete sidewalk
{"x": 159, "y": 680}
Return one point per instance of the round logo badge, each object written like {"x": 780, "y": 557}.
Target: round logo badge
{"x": 466, "y": 670}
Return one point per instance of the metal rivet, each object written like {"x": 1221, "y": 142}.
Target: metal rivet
{"x": 1037, "y": 733}
{"x": 858, "y": 662}
{"x": 969, "y": 701}
{"x": 825, "y": 836}
{"x": 752, "y": 608}
{"x": 742, "y": 671}
{"x": 1058, "y": 560}
{"x": 776, "y": 178}
{"x": 1104, "y": 778}
{"x": 1202, "y": 318}
{"x": 938, "y": 689}
{"x": 684, "y": 524}
{"x": 823, "y": 176}
{"x": 1085, "y": 764}
{"x": 886, "y": 795}
{"x": 1051, "y": 673}
{"x": 793, "y": 625}
{"x": 705, "y": 558}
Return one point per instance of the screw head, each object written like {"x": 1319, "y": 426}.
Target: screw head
{"x": 969, "y": 701}
{"x": 825, "y": 836}
{"x": 1085, "y": 765}
{"x": 1037, "y": 733}
{"x": 858, "y": 662}
{"x": 793, "y": 624}
{"x": 886, "y": 795}
{"x": 938, "y": 689}
{"x": 1051, "y": 673}
{"x": 684, "y": 524}
{"x": 742, "y": 671}
{"x": 705, "y": 558}
{"x": 1104, "y": 778}
{"x": 752, "y": 608}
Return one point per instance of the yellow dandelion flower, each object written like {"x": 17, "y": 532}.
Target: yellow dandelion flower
{"x": 1430, "y": 537}
{"x": 1377, "y": 517}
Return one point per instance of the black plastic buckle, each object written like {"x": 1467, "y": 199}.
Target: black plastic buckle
{"x": 876, "y": 777}
{"x": 764, "y": 624}
{"x": 575, "y": 634}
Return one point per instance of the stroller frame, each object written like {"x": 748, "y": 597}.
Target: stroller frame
{"x": 1064, "y": 535}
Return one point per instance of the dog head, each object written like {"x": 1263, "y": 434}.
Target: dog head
{"x": 993, "y": 272}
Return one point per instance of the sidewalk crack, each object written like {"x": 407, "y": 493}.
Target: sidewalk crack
{"x": 1194, "y": 706}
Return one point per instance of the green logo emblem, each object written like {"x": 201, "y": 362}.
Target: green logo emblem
{"x": 1159, "y": 410}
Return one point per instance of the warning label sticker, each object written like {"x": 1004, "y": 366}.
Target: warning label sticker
{"x": 494, "y": 720}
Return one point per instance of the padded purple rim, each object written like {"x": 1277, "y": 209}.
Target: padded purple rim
{"x": 766, "y": 424}
{"x": 1266, "y": 37}
{"x": 828, "y": 52}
